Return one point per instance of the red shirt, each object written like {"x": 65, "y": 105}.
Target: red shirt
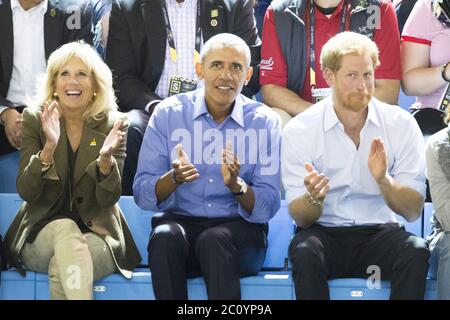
{"x": 273, "y": 65}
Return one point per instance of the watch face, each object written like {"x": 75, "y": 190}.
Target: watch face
{"x": 243, "y": 186}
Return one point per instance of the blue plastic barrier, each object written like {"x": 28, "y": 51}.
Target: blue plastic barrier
{"x": 266, "y": 285}
{"x": 405, "y": 101}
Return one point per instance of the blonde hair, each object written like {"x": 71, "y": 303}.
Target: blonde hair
{"x": 347, "y": 43}
{"x": 104, "y": 100}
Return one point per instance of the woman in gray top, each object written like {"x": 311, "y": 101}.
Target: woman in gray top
{"x": 438, "y": 168}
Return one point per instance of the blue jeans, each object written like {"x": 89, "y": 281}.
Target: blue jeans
{"x": 440, "y": 264}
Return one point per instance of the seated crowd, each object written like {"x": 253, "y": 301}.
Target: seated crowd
{"x": 157, "y": 99}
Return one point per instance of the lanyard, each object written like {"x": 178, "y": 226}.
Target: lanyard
{"x": 170, "y": 38}
{"x": 312, "y": 12}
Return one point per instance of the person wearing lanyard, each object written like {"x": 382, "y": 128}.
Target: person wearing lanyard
{"x": 215, "y": 195}
{"x": 347, "y": 173}
{"x": 290, "y": 77}
{"x": 30, "y": 31}
{"x": 155, "y": 47}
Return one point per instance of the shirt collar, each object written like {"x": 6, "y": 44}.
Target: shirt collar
{"x": 185, "y": 3}
{"x": 200, "y": 107}
{"x": 320, "y": 15}
{"x": 41, "y": 6}
{"x": 331, "y": 119}
{"x": 372, "y": 115}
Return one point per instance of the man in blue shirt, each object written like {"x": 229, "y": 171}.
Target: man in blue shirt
{"x": 209, "y": 162}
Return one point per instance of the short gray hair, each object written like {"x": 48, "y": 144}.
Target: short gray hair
{"x": 225, "y": 40}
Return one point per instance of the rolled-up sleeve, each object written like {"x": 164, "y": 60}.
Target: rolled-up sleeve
{"x": 439, "y": 184}
{"x": 154, "y": 161}
{"x": 266, "y": 181}
{"x": 293, "y": 156}
{"x": 409, "y": 164}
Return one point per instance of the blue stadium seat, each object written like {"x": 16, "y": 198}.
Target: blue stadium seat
{"x": 357, "y": 289}
{"x": 13, "y": 286}
{"x": 139, "y": 222}
{"x": 413, "y": 227}
{"x": 112, "y": 287}
{"x": 281, "y": 229}
{"x": 9, "y": 166}
{"x": 405, "y": 101}
{"x": 266, "y": 285}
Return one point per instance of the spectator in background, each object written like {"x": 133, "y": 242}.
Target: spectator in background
{"x": 291, "y": 78}
{"x": 215, "y": 208}
{"x": 69, "y": 176}
{"x": 425, "y": 50}
{"x": 260, "y": 11}
{"x": 30, "y": 31}
{"x": 438, "y": 172}
{"x": 349, "y": 164}
{"x": 403, "y": 9}
{"x": 150, "y": 66}
{"x": 101, "y": 11}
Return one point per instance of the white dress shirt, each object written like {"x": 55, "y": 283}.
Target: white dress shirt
{"x": 182, "y": 17}
{"x": 439, "y": 184}
{"x": 29, "y": 52}
{"x": 317, "y": 136}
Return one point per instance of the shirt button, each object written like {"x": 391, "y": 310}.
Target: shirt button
{"x": 211, "y": 180}
{"x": 209, "y": 205}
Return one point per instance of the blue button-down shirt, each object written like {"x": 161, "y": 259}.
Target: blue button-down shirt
{"x": 254, "y": 132}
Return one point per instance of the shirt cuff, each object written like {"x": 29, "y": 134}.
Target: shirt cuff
{"x": 266, "y": 206}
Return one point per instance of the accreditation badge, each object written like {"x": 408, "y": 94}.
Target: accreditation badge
{"x": 181, "y": 85}
{"x": 320, "y": 94}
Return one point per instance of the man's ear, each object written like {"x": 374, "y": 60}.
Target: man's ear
{"x": 199, "y": 70}
{"x": 248, "y": 75}
{"x": 329, "y": 77}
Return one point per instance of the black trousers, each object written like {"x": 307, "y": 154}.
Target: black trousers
{"x": 321, "y": 253}
{"x": 138, "y": 123}
{"x": 220, "y": 249}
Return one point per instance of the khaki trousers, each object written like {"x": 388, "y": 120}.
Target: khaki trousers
{"x": 73, "y": 260}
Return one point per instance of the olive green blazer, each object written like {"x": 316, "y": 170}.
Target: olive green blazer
{"x": 95, "y": 198}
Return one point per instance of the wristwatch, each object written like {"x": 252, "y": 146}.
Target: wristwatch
{"x": 243, "y": 186}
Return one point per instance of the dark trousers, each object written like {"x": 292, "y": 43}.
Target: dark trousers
{"x": 138, "y": 123}
{"x": 321, "y": 253}
{"x": 220, "y": 249}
